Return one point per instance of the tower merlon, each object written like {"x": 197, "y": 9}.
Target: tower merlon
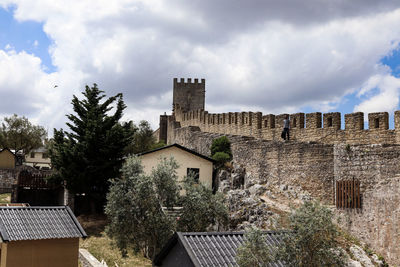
{"x": 189, "y": 81}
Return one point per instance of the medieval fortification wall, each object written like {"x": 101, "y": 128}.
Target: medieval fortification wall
{"x": 313, "y": 168}
{"x": 188, "y": 110}
{"x": 319, "y": 154}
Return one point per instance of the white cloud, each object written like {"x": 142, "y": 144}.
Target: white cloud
{"x": 270, "y": 56}
{"x": 27, "y": 90}
{"x": 387, "y": 98}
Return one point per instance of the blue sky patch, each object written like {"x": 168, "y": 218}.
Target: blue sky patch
{"x": 393, "y": 61}
{"x": 25, "y": 36}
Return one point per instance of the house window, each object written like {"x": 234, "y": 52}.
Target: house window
{"x": 32, "y": 155}
{"x": 45, "y": 155}
{"x": 294, "y": 123}
{"x": 194, "y": 172}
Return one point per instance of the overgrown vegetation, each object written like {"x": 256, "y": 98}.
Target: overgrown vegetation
{"x": 201, "y": 208}
{"x": 5, "y": 198}
{"x": 103, "y": 248}
{"x": 135, "y": 202}
{"x": 92, "y": 152}
{"x": 254, "y": 250}
{"x": 143, "y": 139}
{"x": 134, "y": 208}
{"x": 312, "y": 240}
{"x": 221, "y": 150}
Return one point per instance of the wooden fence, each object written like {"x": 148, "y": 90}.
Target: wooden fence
{"x": 348, "y": 194}
{"x": 34, "y": 181}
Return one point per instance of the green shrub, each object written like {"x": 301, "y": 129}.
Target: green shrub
{"x": 221, "y": 150}
{"x": 221, "y": 157}
{"x": 221, "y": 144}
{"x": 158, "y": 145}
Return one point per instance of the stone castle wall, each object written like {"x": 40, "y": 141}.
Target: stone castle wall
{"x": 316, "y": 127}
{"x": 378, "y": 221}
{"x": 305, "y": 165}
{"x": 314, "y": 167}
{"x": 322, "y": 154}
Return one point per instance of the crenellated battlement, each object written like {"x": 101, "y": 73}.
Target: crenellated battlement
{"x": 188, "y": 110}
{"x": 315, "y": 120}
{"x": 181, "y": 81}
{"x": 311, "y": 127}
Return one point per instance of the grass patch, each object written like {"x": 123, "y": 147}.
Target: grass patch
{"x": 103, "y": 248}
{"x": 5, "y": 198}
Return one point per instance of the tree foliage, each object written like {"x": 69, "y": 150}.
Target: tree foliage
{"x": 254, "y": 250}
{"x": 133, "y": 208}
{"x": 143, "y": 139}
{"x": 201, "y": 208}
{"x": 92, "y": 152}
{"x": 19, "y": 134}
{"x": 313, "y": 238}
{"x": 165, "y": 181}
{"x": 311, "y": 241}
{"x": 221, "y": 150}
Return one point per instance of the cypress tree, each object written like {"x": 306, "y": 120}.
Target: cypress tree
{"x": 92, "y": 151}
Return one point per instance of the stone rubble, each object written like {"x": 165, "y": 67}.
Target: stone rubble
{"x": 255, "y": 205}
{"x": 360, "y": 255}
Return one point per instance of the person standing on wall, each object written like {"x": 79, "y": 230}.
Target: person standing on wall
{"x": 286, "y": 127}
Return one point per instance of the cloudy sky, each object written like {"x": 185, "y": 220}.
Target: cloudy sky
{"x": 259, "y": 55}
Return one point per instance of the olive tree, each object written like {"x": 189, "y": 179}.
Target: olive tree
{"x": 311, "y": 241}
{"x": 135, "y": 212}
{"x": 201, "y": 208}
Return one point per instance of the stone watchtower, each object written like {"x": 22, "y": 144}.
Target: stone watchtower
{"x": 189, "y": 95}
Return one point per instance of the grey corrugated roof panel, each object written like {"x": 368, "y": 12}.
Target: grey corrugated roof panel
{"x": 215, "y": 248}
{"x": 34, "y": 223}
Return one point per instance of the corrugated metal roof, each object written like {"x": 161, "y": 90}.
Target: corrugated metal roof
{"x": 216, "y": 248}
{"x": 33, "y": 223}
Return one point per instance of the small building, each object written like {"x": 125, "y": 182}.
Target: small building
{"x": 39, "y": 236}
{"x": 189, "y": 161}
{"x": 38, "y": 158}
{"x": 7, "y": 159}
{"x": 208, "y": 249}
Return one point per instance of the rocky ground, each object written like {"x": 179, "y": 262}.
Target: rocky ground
{"x": 267, "y": 206}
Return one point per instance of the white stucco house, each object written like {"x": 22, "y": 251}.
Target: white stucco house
{"x": 188, "y": 160}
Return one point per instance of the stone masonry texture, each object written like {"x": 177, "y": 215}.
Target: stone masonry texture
{"x": 315, "y": 167}
{"x": 319, "y": 154}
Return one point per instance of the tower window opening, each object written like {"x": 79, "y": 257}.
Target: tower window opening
{"x": 376, "y": 123}
{"x": 330, "y": 122}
